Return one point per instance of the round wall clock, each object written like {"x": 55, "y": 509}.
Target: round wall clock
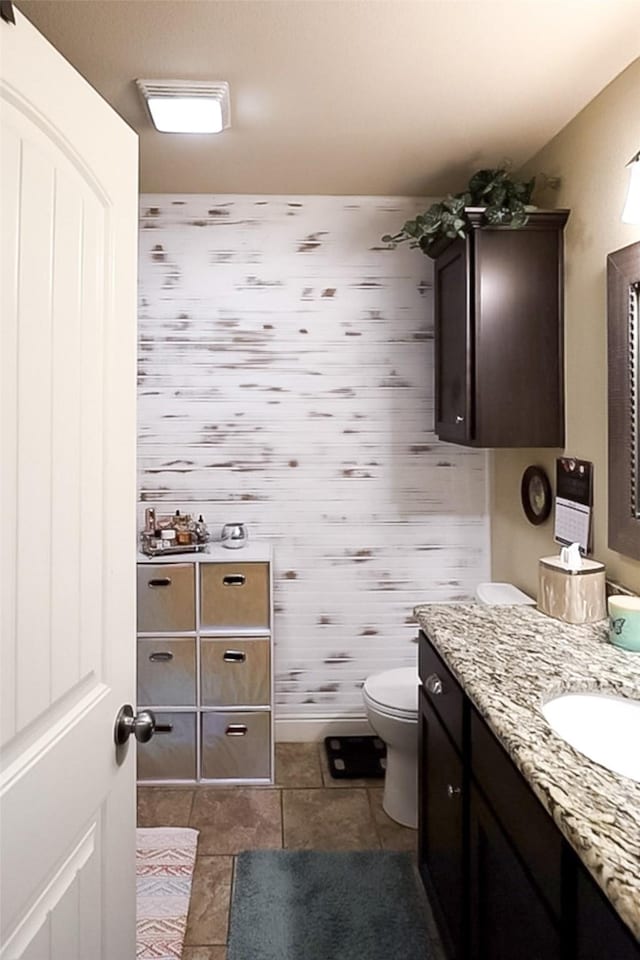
{"x": 535, "y": 491}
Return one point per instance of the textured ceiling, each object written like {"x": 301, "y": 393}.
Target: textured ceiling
{"x": 348, "y": 96}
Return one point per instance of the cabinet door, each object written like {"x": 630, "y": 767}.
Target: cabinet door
{"x": 509, "y": 919}
{"x": 599, "y": 930}
{"x": 518, "y": 349}
{"x": 453, "y": 344}
{"x": 441, "y": 829}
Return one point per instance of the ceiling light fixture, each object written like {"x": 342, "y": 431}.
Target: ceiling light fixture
{"x": 187, "y": 106}
{"x": 631, "y": 212}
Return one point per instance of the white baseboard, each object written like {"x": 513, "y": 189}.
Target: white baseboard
{"x": 311, "y": 729}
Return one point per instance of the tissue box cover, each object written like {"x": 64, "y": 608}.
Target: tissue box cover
{"x": 575, "y": 596}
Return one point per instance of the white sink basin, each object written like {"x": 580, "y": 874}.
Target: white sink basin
{"x": 605, "y": 728}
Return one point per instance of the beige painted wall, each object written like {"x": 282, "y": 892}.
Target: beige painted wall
{"x": 589, "y": 154}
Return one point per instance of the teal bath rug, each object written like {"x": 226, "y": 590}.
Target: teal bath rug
{"x": 311, "y": 905}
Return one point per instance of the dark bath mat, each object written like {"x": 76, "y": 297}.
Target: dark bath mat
{"x": 352, "y": 758}
{"x": 312, "y": 905}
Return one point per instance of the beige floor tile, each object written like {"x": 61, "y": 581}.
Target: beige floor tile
{"x": 328, "y": 820}
{"x": 298, "y": 765}
{"x": 204, "y": 953}
{"x": 208, "y": 919}
{"x": 330, "y": 783}
{"x": 237, "y": 818}
{"x": 164, "y": 807}
{"x": 392, "y": 835}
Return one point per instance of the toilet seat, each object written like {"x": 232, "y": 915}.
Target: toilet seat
{"x": 394, "y": 692}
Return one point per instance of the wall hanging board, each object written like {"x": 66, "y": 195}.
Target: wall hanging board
{"x": 574, "y": 502}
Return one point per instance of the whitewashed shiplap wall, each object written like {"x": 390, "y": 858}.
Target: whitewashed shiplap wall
{"x": 286, "y": 380}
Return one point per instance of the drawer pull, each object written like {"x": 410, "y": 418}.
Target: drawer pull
{"x": 164, "y": 728}
{"x": 453, "y": 791}
{"x": 160, "y": 656}
{"x": 434, "y": 684}
{"x": 234, "y": 580}
{"x": 236, "y": 730}
{"x": 160, "y": 582}
{"x": 234, "y": 656}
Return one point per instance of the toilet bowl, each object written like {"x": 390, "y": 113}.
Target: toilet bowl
{"x": 391, "y": 703}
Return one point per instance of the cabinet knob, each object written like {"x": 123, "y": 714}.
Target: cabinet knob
{"x": 453, "y": 791}
{"x": 459, "y": 419}
{"x": 433, "y": 684}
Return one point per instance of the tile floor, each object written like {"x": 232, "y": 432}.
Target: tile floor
{"x": 305, "y": 810}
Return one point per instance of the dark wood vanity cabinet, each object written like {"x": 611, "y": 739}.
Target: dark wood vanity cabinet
{"x": 499, "y": 335}
{"x": 502, "y": 881}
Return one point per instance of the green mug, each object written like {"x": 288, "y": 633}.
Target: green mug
{"x": 624, "y": 622}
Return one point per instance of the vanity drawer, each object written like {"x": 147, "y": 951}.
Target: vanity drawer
{"x": 235, "y": 672}
{"x": 441, "y": 689}
{"x": 171, "y": 752}
{"x": 166, "y": 597}
{"x": 523, "y": 818}
{"x": 236, "y": 745}
{"x": 167, "y": 672}
{"x": 233, "y": 596}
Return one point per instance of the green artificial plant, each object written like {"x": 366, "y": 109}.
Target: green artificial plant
{"x": 504, "y": 201}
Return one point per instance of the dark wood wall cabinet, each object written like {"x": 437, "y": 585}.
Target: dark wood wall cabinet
{"x": 502, "y": 881}
{"x": 499, "y": 335}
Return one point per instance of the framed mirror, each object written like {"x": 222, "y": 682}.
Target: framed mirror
{"x": 623, "y": 331}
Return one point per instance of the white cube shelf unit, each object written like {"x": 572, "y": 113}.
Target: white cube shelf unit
{"x": 205, "y": 665}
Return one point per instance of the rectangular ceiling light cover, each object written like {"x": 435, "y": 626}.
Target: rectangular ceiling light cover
{"x": 187, "y": 106}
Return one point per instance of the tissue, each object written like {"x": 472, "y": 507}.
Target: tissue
{"x": 571, "y": 557}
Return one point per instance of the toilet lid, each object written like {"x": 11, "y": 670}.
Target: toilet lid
{"x": 395, "y": 689}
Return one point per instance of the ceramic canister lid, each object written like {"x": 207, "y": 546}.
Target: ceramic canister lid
{"x": 396, "y": 689}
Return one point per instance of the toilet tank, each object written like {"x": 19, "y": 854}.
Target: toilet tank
{"x": 502, "y": 594}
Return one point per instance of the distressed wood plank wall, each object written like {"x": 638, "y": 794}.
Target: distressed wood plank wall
{"x": 286, "y": 380}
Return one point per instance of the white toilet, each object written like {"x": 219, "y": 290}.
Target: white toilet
{"x": 391, "y": 703}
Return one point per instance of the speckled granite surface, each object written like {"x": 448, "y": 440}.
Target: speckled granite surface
{"x": 510, "y": 660}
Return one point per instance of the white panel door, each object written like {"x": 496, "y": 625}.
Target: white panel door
{"x": 68, "y": 182}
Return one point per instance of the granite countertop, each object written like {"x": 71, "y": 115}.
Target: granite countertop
{"x": 511, "y": 660}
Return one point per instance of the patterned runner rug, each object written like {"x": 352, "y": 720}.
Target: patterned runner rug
{"x": 165, "y": 859}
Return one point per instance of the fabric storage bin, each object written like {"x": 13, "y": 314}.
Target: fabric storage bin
{"x": 236, "y": 745}
{"x": 234, "y": 596}
{"x": 167, "y": 671}
{"x": 166, "y": 597}
{"x": 171, "y": 752}
{"x": 235, "y": 672}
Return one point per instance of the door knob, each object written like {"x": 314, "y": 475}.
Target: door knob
{"x": 141, "y": 725}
